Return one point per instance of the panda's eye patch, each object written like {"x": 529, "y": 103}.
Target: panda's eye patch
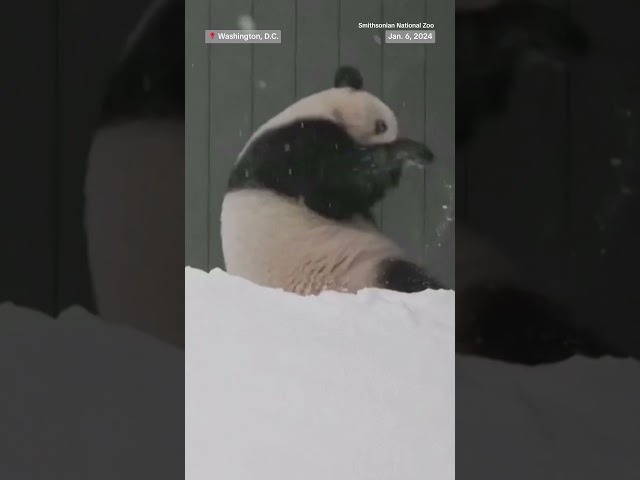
{"x": 380, "y": 127}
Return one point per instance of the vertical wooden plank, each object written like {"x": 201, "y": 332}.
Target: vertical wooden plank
{"x": 28, "y": 265}
{"x": 440, "y": 125}
{"x": 362, "y": 48}
{"x": 605, "y": 175}
{"x": 197, "y": 131}
{"x": 517, "y": 173}
{"x": 317, "y": 45}
{"x": 86, "y": 61}
{"x": 231, "y": 111}
{"x": 403, "y": 211}
{"x": 274, "y": 64}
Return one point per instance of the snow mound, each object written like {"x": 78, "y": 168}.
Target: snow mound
{"x": 351, "y": 387}
{"x": 284, "y": 387}
{"x": 338, "y": 386}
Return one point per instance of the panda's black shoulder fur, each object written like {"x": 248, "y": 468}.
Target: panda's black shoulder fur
{"x": 315, "y": 160}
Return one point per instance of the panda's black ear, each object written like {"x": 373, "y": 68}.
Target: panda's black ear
{"x": 348, "y": 76}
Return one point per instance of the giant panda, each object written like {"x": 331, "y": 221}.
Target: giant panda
{"x": 297, "y": 211}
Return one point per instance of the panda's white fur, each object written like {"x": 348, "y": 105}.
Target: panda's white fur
{"x": 278, "y": 242}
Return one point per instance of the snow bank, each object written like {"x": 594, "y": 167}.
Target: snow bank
{"x": 283, "y": 387}
{"x": 351, "y": 387}
{"x": 339, "y": 386}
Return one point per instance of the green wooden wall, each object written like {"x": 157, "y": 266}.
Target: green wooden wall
{"x": 232, "y": 89}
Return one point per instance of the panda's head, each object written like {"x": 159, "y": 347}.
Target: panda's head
{"x": 366, "y": 118}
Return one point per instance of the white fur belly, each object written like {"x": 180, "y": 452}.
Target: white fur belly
{"x": 277, "y": 242}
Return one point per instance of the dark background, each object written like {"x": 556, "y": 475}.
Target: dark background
{"x": 78, "y": 400}
{"x": 554, "y": 182}
{"x": 52, "y": 93}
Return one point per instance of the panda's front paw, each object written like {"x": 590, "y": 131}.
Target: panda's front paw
{"x": 409, "y": 150}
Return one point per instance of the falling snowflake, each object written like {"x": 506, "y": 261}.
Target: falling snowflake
{"x": 615, "y": 162}
{"x": 287, "y": 147}
{"x": 376, "y": 38}
{"x": 245, "y": 22}
{"x": 262, "y": 84}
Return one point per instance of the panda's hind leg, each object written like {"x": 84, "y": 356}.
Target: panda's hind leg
{"x": 405, "y": 276}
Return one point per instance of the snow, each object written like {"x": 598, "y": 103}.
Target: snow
{"x": 335, "y": 387}
{"x": 351, "y": 387}
{"x": 246, "y": 22}
{"x": 338, "y": 386}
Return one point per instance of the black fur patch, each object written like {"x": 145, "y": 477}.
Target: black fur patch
{"x": 347, "y": 76}
{"x": 404, "y": 276}
{"x": 149, "y": 82}
{"x": 316, "y": 160}
{"x": 519, "y": 326}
